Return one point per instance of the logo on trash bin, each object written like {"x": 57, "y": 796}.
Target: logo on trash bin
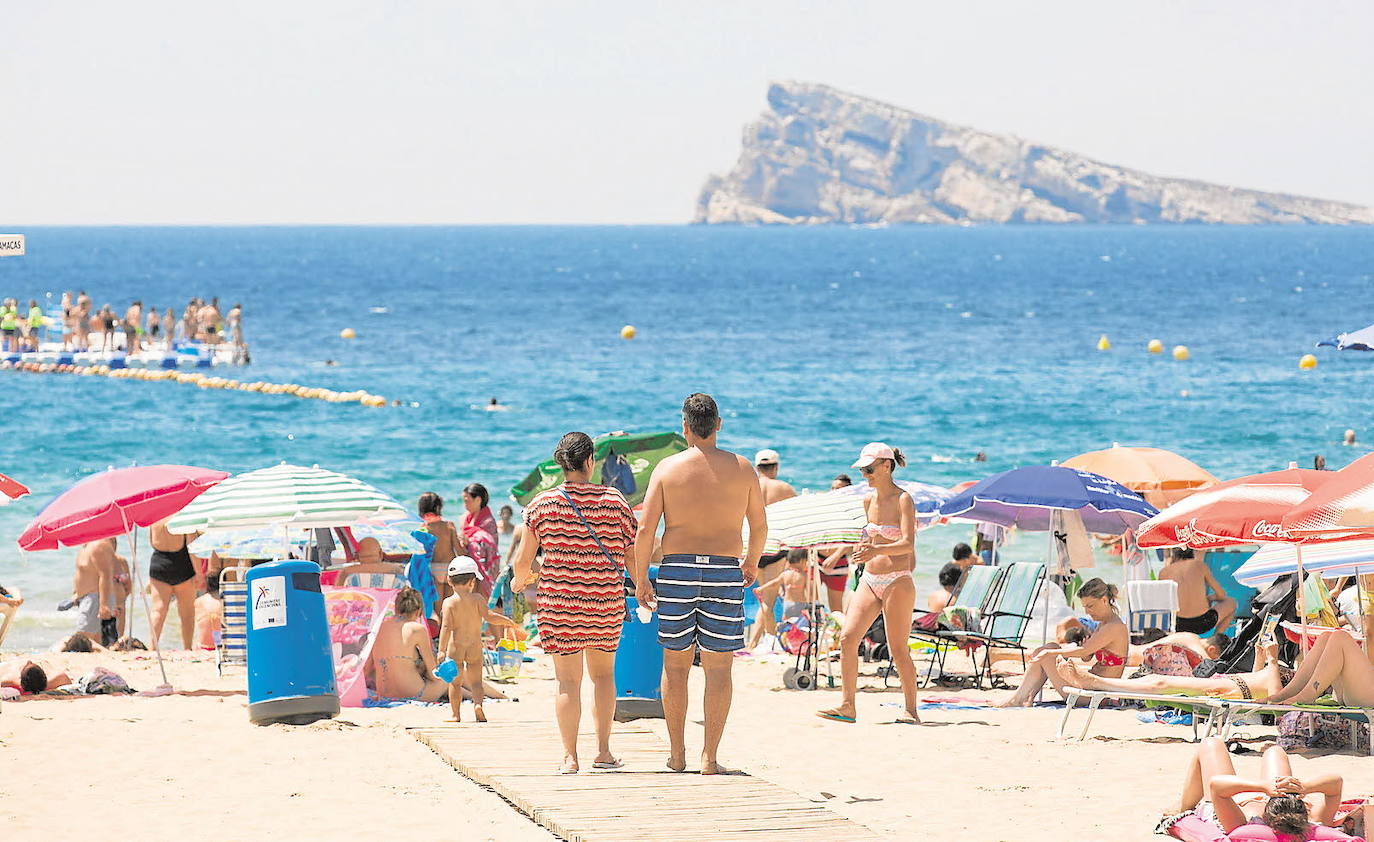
{"x": 269, "y": 602}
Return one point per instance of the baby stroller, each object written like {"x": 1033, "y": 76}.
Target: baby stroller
{"x": 807, "y": 635}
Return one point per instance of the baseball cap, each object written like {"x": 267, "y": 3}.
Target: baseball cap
{"x": 462, "y": 564}
{"x": 766, "y": 457}
{"x": 872, "y": 452}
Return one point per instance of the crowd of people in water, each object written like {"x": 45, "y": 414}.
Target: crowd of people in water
{"x": 565, "y": 564}
{"x": 84, "y": 327}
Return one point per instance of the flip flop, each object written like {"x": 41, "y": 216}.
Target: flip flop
{"x": 833, "y": 715}
{"x": 608, "y": 764}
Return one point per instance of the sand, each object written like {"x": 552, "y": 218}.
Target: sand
{"x": 190, "y": 765}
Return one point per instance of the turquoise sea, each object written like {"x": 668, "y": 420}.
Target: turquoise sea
{"x": 943, "y": 341}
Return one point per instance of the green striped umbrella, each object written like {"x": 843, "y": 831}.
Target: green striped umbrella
{"x": 284, "y": 496}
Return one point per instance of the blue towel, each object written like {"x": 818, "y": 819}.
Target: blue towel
{"x": 418, "y": 575}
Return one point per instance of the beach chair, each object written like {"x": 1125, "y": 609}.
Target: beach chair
{"x": 380, "y": 581}
{"x": 1152, "y": 605}
{"x": 1196, "y": 705}
{"x": 1005, "y": 616}
{"x": 973, "y": 592}
{"x": 231, "y": 647}
{"x": 1354, "y": 714}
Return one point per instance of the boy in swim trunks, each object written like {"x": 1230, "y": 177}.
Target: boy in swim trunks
{"x": 793, "y": 584}
{"x": 460, "y": 636}
{"x": 1203, "y": 605}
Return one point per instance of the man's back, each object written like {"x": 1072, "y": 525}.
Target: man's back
{"x": 1192, "y": 585}
{"x": 705, "y": 497}
{"x": 91, "y": 560}
{"x": 775, "y": 489}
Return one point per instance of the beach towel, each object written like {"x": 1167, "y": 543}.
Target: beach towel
{"x": 101, "y": 681}
{"x": 418, "y": 574}
{"x": 1170, "y": 659}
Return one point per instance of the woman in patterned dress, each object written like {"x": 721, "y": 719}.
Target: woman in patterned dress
{"x": 584, "y": 530}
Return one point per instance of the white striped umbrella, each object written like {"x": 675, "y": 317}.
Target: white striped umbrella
{"x": 284, "y": 496}
{"x": 1340, "y": 558}
{"x": 815, "y": 520}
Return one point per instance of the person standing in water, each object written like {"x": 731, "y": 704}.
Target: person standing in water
{"x": 703, "y": 496}
{"x": 888, "y": 553}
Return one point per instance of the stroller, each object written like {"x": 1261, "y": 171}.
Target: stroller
{"x": 808, "y": 636}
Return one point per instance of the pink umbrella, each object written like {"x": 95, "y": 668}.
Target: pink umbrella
{"x": 113, "y": 503}
{"x": 11, "y": 490}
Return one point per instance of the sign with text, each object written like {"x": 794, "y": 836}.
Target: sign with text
{"x": 11, "y": 245}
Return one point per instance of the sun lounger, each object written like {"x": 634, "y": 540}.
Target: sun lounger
{"x": 1005, "y": 616}
{"x": 1355, "y": 715}
{"x": 1213, "y": 708}
{"x": 974, "y": 591}
{"x": 1152, "y": 605}
{"x": 231, "y": 647}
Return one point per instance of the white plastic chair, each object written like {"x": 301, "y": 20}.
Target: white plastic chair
{"x": 1152, "y": 605}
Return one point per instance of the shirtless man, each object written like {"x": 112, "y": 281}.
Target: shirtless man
{"x": 133, "y": 328}
{"x": 81, "y": 321}
{"x": 235, "y": 324}
{"x": 190, "y": 320}
{"x": 703, "y": 495}
{"x": 28, "y": 676}
{"x": 766, "y": 462}
{"x": 1198, "y": 612}
{"x": 93, "y": 586}
{"x": 209, "y": 320}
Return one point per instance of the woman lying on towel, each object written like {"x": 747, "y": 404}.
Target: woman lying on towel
{"x": 1260, "y": 685}
{"x": 1275, "y": 806}
{"x": 1107, "y": 645}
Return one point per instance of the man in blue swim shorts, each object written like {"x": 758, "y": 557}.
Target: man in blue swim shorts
{"x": 703, "y": 496}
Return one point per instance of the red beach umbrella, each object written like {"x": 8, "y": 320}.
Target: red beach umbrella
{"x": 1343, "y": 508}
{"x": 11, "y": 490}
{"x": 113, "y": 502}
{"x": 1248, "y": 510}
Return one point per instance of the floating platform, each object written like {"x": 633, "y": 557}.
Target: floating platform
{"x": 182, "y": 356}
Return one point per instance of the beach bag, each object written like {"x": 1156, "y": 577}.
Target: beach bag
{"x": 1301, "y": 729}
{"x": 1168, "y": 659}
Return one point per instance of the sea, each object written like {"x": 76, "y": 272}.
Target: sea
{"x": 947, "y": 342}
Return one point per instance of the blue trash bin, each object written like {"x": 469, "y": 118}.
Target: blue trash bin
{"x": 290, "y": 664}
{"x": 639, "y": 665}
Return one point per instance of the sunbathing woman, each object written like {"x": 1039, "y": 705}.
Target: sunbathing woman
{"x": 1107, "y": 645}
{"x": 1260, "y": 685}
{"x": 1336, "y": 661}
{"x": 888, "y": 552}
{"x": 1276, "y": 800}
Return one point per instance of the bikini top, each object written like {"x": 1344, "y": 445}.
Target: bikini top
{"x": 883, "y": 530}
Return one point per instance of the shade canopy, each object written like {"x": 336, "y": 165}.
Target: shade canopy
{"x": 11, "y": 489}
{"x": 1246, "y": 510}
{"x": 112, "y": 503}
{"x": 1027, "y": 497}
{"x": 1273, "y": 561}
{"x": 285, "y": 495}
{"x": 624, "y": 461}
{"x": 925, "y": 497}
{"x": 1162, "y": 477}
{"x": 1342, "y": 508}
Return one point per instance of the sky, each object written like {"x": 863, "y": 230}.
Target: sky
{"x": 335, "y": 111}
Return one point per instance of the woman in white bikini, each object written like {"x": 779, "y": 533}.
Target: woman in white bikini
{"x": 888, "y": 553}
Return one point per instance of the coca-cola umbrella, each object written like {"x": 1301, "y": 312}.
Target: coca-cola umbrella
{"x": 114, "y": 503}
{"x": 11, "y": 490}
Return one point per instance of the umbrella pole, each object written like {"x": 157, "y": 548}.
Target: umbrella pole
{"x": 1302, "y": 600}
{"x": 1363, "y": 583}
{"x": 147, "y": 612}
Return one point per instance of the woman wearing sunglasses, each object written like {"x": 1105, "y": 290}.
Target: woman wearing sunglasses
{"x": 888, "y": 552}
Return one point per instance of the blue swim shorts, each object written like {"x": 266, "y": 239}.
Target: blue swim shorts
{"x": 700, "y": 603}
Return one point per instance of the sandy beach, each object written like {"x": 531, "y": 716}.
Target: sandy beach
{"x": 192, "y": 764}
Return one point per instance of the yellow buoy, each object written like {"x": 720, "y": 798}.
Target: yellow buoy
{"x": 1307, "y": 362}
{"x": 1180, "y": 352}
{"x": 348, "y": 333}
{"x": 1155, "y": 347}
{"x": 1103, "y": 344}
{"x": 628, "y": 332}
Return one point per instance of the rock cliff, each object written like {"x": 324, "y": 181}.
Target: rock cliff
{"x": 820, "y": 155}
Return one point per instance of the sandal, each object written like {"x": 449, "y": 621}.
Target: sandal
{"x": 835, "y": 716}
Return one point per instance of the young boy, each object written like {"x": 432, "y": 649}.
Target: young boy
{"x": 793, "y": 584}
{"x": 460, "y": 636}
{"x": 209, "y": 613}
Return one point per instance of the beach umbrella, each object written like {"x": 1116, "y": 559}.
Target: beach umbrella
{"x": 11, "y": 490}
{"x": 394, "y": 537}
{"x": 1247, "y": 510}
{"x": 837, "y": 517}
{"x": 253, "y": 542}
{"x": 625, "y": 460}
{"x": 1027, "y": 497}
{"x": 1355, "y": 340}
{"x": 1335, "y": 558}
{"x": 285, "y": 496}
{"x": 1343, "y": 507}
{"x": 113, "y": 503}
{"x": 1162, "y": 477}
{"x": 926, "y": 497}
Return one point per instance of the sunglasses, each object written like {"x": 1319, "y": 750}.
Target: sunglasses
{"x": 867, "y": 469}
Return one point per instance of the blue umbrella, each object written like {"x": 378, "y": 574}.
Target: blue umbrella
{"x": 1027, "y": 497}
{"x": 926, "y": 497}
{"x": 1356, "y": 340}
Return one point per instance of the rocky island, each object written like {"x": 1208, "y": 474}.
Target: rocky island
{"x": 820, "y": 155}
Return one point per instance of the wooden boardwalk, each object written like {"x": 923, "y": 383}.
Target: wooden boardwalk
{"x": 641, "y": 802}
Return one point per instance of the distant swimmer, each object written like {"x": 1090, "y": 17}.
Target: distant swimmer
{"x": 331, "y": 362}
{"x": 1349, "y": 438}
{"x": 495, "y": 406}
{"x": 980, "y": 457}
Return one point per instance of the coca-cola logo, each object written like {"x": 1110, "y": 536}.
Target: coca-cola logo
{"x": 1262, "y": 529}
{"x": 1184, "y": 534}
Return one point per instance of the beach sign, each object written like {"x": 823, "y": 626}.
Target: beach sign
{"x": 11, "y": 245}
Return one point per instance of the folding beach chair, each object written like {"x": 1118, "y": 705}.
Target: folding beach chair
{"x": 1004, "y": 618}
{"x": 1355, "y": 715}
{"x": 974, "y": 591}
{"x": 1152, "y": 605}
{"x": 1196, "y": 705}
{"x": 231, "y": 647}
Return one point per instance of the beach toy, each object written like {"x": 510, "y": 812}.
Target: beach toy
{"x": 447, "y": 670}
{"x": 348, "y": 333}
{"x": 1155, "y": 347}
{"x": 1180, "y": 352}
{"x": 290, "y": 656}
{"x": 509, "y": 656}
{"x": 1103, "y": 343}
{"x": 628, "y": 332}
{"x": 1307, "y": 362}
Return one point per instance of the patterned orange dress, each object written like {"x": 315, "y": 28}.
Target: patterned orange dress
{"x": 581, "y": 592}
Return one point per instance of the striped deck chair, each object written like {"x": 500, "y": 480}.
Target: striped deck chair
{"x": 978, "y": 585}
{"x": 1005, "y": 616}
{"x": 231, "y": 642}
{"x": 381, "y": 581}
{"x": 1152, "y": 605}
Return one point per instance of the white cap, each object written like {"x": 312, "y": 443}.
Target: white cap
{"x": 872, "y": 452}
{"x": 766, "y": 457}
{"x": 462, "y": 564}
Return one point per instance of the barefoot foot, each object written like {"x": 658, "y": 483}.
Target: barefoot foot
{"x": 713, "y": 767}
{"x": 479, "y": 714}
{"x": 677, "y": 763}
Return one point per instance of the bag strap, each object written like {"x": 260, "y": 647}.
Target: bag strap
{"x": 577, "y": 511}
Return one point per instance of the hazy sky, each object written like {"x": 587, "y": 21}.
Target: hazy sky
{"x": 342, "y": 111}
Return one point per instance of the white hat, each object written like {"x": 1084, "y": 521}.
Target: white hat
{"x": 462, "y": 564}
{"x": 766, "y": 457}
{"x": 872, "y": 453}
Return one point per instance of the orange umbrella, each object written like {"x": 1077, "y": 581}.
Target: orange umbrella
{"x": 1160, "y": 476}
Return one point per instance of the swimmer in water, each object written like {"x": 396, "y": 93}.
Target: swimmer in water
{"x": 496, "y": 406}
{"x": 1349, "y": 438}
